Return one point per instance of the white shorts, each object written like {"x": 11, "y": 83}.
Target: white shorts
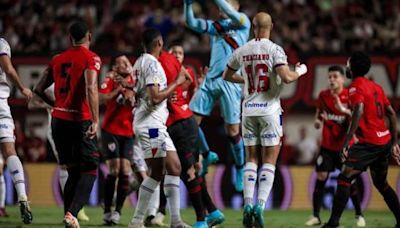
{"x": 138, "y": 157}
{"x": 6, "y": 122}
{"x": 154, "y": 142}
{"x": 264, "y": 130}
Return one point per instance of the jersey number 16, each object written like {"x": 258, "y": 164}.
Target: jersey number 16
{"x": 260, "y": 72}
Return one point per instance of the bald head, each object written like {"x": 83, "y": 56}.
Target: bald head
{"x": 262, "y": 25}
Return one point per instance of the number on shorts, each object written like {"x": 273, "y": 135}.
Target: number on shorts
{"x": 260, "y": 72}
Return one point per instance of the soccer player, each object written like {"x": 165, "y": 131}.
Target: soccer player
{"x": 37, "y": 103}
{"x": 333, "y": 113}
{"x": 265, "y": 67}
{"x": 150, "y": 127}
{"x": 75, "y": 116}
{"x": 375, "y": 142}
{"x": 7, "y": 140}
{"x": 226, "y": 35}
{"x": 117, "y": 135}
{"x": 209, "y": 156}
{"x": 183, "y": 129}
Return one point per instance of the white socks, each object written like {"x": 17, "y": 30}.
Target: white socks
{"x": 171, "y": 189}
{"x": 265, "y": 182}
{"x": 249, "y": 182}
{"x": 145, "y": 192}
{"x": 62, "y": 178}
{"x": 2, "y": 192}
{"x": 154, "y": 202}
{"x": 17, "y": 174}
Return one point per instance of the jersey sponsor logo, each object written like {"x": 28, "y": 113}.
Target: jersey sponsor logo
{"x": 249, "y": 136}
{"x": 268, "y": 136}
{"x": 352, "y": 90}
{"x": 382, "y": 133}
{"x": 3, "y": 126}
{"x": 184, "y": 107}
{"x": 337, "y": 118}
{"x": 255, "y": 105}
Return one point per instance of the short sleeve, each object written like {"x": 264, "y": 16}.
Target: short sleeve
{"x": 106, "y": 86}
{"x": 234, "y": 62}
{"x": 94, "y": 63}
{"x": 320, "y": 101}
{"x": 152, "y": 73}
{"x": 386, "y": 101}
{"x": 4, "y": 47}
{"x": 279, "y": 57}
{"x": 356, "y": 96}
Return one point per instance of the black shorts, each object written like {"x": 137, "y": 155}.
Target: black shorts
{"x": 361, "y": 156}
{"x": 116, "y": 146}
{"x": 185, "y": 135}
{"x": 328, "y": 160}
{"x": 73, "y": 147}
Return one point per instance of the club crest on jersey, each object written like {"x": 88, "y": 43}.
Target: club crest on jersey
{"x": 103, "y": 85}
{"x": 112, "y": 146}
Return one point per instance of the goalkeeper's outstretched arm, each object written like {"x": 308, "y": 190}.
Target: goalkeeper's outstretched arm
{"x": 196, "y": 24}
{"x": 237, "y": 17}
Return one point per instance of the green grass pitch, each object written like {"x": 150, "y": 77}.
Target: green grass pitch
{"x": 52, "y": 217}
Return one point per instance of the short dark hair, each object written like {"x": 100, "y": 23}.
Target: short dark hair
{"x": 360, "y": 63}
{"x": 78, "y": 30}
{"x": 114, "y": 58}
{"x": 336, "y": 68}
{"x": 148, "y": 37}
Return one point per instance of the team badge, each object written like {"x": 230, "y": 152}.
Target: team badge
{"x": 112, "y": 146}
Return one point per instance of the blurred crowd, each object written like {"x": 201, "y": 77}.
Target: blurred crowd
{"x": 304, "y": 26}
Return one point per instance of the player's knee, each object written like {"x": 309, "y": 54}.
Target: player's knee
{"x": 234, "y": 139}
{"x": 233, "y": 131}
{"x": 125, "y": 167}
{"x": 322, "y": 176}
{"x": 114, "y": 172}
{"x": 380, "y": 183}
{"x": 189, "y": 174}
{"x": 174, "y": 168}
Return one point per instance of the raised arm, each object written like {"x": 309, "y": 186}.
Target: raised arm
{"x": 236, "y": 17}
{"x": 198, "y": 25}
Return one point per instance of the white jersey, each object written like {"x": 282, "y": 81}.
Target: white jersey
{"x": 148, "y": 72}
{"x": 258, "y": 59}
{"x": 4, "y": 86}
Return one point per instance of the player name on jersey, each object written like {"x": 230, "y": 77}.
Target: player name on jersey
{"x": 254, "y": 57}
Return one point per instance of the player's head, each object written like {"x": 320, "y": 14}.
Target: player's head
{"x": 335, "y": 77}
{"x": 120, "y": 63}
{"x": 177, "y": 50}
{"x": 358, "y": 65}
{"x": 262, "y": 25}
{"x": 234, "y": 3}
{"x": 79, "y": 33}
{"x": 152, "y": 41}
